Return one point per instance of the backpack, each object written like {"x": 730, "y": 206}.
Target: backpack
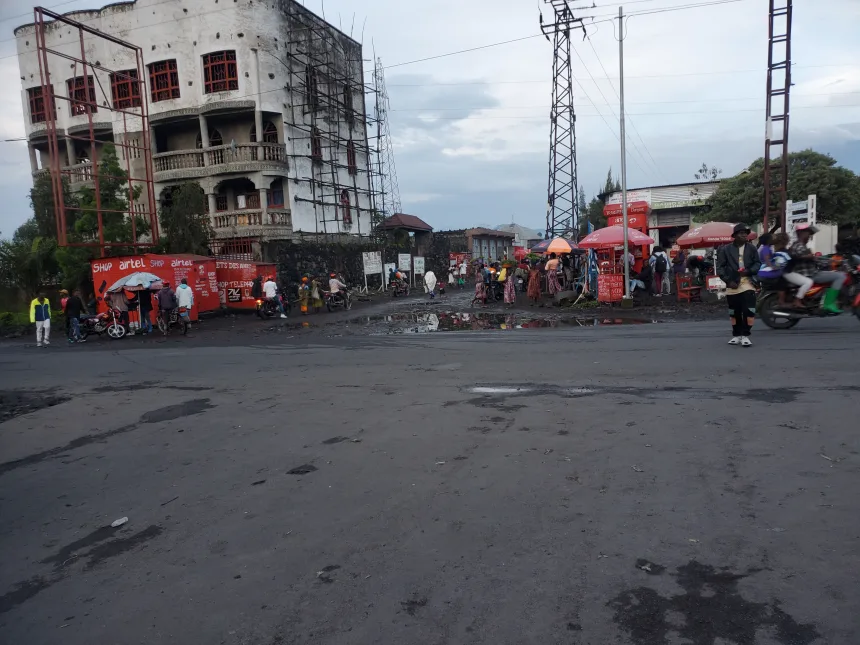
{"x": 660, "y": 266}
{"x": 257, "y": 289}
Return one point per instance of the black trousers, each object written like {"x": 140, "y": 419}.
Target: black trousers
{"x": 741, "y": 312}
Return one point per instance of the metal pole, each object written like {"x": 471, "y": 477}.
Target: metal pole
{"x": 625, "y": 219}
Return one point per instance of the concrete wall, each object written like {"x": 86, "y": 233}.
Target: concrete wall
{"x": 260, "y": 33}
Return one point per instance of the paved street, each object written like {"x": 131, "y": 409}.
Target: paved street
{"x": 631, "y": 485}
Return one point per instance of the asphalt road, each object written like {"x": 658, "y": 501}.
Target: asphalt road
{"x": 643, "y": 485}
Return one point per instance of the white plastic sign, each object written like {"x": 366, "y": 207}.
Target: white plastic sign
{"x": 372, "y": 262}
{"x": 419, "y": 265}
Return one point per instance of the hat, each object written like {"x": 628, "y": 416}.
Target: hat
{"x": 64, "y": 292}
{"x": 812, "y": 229}
{"x": 740, "y": 228}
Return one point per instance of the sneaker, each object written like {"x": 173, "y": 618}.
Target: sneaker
{"x": 736, "y": 340}
{"x": 47, "y": 343}
{"x": 38, "y": 344}
{"x": 283, "y": 316}
{"x": 746, "y": 342}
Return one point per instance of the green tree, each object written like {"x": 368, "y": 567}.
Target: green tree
{"x": 185, "y": 225}
{"x": 113, "y": 201}
{"x": 741, "y": 198}
{"x": 28, "y": 260}
{"x": 706, "y": 173}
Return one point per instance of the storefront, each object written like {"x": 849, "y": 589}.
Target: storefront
{"x": 637, "y": 218}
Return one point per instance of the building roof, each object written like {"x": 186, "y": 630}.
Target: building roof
{"x": 408, "y": 222}
{"x": 602, "y": 196}
{"x": 524, "y": 232}
{"x": 488, "y": 232}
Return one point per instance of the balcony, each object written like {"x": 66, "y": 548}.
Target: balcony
{"x": 250, "y": 222}
{"x": 243, "y": 157}
{"x": 79, "y": 175}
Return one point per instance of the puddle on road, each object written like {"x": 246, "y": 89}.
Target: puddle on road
{"x": 415, "y": 323}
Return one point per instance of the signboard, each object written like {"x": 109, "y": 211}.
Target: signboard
{"x": 456, "y": 259}
{"x": 404, "y": 262}
{"x": 199, "y": 271}
{"x": 715, "y": 283}
{"x": 236, "y": 278}
{"x": 643, "y": 195}
{"x": 610, "y": 287}
{"x": 372, "y": 262}
{"x": 797, "y": 213}
{"x": 635, "y": 221}
{"x": 419, "y": 265}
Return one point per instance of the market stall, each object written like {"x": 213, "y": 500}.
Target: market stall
{"x": 609, "y": 244}
{"x": 637, "y": 220}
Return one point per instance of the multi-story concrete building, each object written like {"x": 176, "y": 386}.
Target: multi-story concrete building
{"x": 261, "y": 103}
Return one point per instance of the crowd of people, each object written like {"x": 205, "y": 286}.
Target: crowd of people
{"x": 504, "y": 279}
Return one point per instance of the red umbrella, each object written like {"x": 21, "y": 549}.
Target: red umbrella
{"x": 614, "y": 236}
{"x": 520, "y": 252}
{"x": 708, "y": 235}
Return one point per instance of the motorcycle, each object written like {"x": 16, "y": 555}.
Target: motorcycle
{"x": 337, "y": 300}
{"x": 165, "y": 322}
{"x": 496, "y": 291}
{"x": 107, "y": 321}
{"x": 269, "y": 308}
{"x": 775, "y": 311}
{"x": 399, "y": 288}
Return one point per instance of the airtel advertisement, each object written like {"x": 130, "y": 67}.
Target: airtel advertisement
{"x": 198, "y": 270}
{"x": 637, "y": 214}
{"x": 235, "y": 279}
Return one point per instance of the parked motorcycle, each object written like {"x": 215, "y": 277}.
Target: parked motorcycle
{"x": 497, "y": 291}
{"x": 774, "y": 303}
{"x": 98, "y": 324}
{"x": 399, "y": 288}
{"x": 168, "y": 320}
{"x": 340, "y": 299}
{"x": 269, "y": 308}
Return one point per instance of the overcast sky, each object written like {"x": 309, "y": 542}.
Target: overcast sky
{"x": 471, "y": 131}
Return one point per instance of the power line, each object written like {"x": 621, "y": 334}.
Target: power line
{"x": 521, "y": 82}
{"x": 464, "y": 51}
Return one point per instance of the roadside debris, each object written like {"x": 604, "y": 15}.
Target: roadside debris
{"x": 119, "y": 522}
{"x": 638, "y": 469}
{"x": 170, "y": 500}
{"x": 302, "y": 470}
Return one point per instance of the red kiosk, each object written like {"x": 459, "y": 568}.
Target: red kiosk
{"x": 637, "y": 217}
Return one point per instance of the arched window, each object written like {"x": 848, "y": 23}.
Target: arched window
{"x": 351, "y": 163}
{"x": 214, "y": 139}
{"x": 270, "y": 133}
{"x": 316, "y": 145}
{"x": 345, "y": 209}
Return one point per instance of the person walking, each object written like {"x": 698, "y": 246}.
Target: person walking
{"x": 166, "y": 299}
{"x": 551, "y": 267}
{"x": 430, "y": 284}
{"x": 737, "y": 263}
{"x": 64, "y": 298}
{"x": 119, "y": 301}
{"x": 511, "y": 287}
{"x": 40, "y": 313}
{"x": 145, "y": 304}
{"x": 660, "y": 263}
{"x": 73, "y": 310}
{"x": 185, "y": 300}
{"x": 533, "y": 290}
{"x": 316, "y": 296}
{"x": 480, "y": 286}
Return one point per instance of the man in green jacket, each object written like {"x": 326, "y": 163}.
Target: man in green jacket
{"x": 40, "y": 313}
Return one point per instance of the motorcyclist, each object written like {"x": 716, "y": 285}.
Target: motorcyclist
{"x": 270, "y": 290}
{"x": 804, "y": 271}
{"x": 257, "y": 288}
{"x": 335, "y": 286}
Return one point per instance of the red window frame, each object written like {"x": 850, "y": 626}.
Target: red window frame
{"x": 125, "y": 89}
{"x": 345, "y": 207}
{"x": 36, "y": 99}
{"x": 163, "y": 80}
{"x": 78, "y": 102}
{"x": 220, "y": 72}
{"x": 351, "y": 163}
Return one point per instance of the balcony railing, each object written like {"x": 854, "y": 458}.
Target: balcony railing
{"x": 77, "y": 174}
{"x": 219, "y": 156}
{"x": 250, "y": 217}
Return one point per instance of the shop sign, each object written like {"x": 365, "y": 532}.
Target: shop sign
{"x": 610, "y": 287}
{"x": 419, "y": 265}
{"x": 404, "y": 262}
{"x": 372, "y": 262}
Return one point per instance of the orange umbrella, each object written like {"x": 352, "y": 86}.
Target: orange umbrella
{"x": 560, "y": 245}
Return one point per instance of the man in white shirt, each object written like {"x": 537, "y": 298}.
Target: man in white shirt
{"x": 335, "y": 286}
{"x": 270, "y": 290}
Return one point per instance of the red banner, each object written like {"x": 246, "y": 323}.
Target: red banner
{"x": 610, "y": 287}
{"x": 637, "y": 214}
{"x": 235, "y": 279}
{"x": 197, "y": 269}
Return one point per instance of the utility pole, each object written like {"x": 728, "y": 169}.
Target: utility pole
{"x": 777, "y": 113}
{"x": 562, "y": 209}
{"x": 625, "y": 217}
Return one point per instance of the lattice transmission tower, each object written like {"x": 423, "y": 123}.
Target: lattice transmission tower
{"x": 778, "y": 101}
{"x": 386, "y": 189}
{"x": 562, "y": 210}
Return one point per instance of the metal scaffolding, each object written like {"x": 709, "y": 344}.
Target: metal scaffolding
{"x": 328, "y": 124}
{"x": 562, "y": 210}
{"x": 385, "y": 177}
{"x": 85, "y": 94}
{"x": 777, "y": 111}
